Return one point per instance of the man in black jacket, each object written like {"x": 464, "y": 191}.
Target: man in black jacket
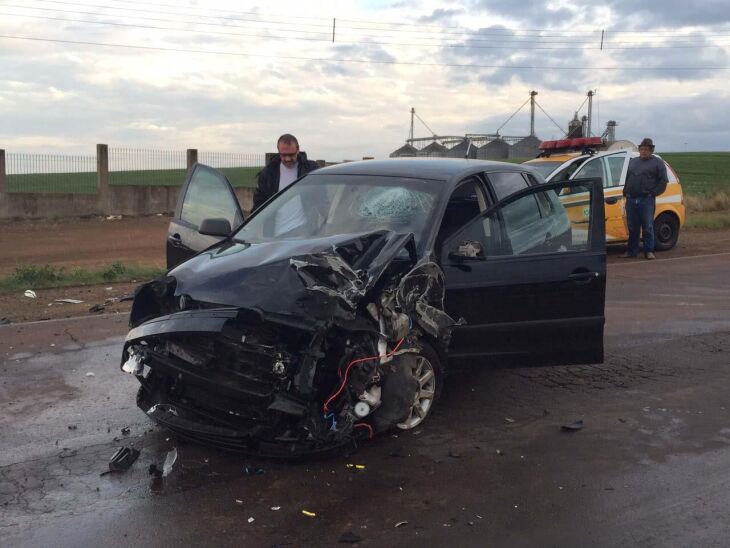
{"x": 646, "y": 179}
{"x": 283, "y": 169}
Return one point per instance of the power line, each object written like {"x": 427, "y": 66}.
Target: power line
{"x": 401, "y": 24}
{"x": 328, "y": 25}
{"x": 327, "y": 39}
{"x": 346, "y": 60}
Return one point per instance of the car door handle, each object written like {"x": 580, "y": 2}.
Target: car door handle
{"x": 583, "y": 276}
{"x": 611, "y": 201}
{"x": 175, "y": 240}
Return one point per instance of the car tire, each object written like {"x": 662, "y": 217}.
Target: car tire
{"x": 428, "y": 370}
{"x": 666, "y": 232}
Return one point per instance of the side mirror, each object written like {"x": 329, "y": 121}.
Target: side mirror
{"x": 467, "y": 250}
{"x": 215, "y": 227}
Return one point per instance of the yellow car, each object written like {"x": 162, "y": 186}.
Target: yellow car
{"x": 611, "y": 166}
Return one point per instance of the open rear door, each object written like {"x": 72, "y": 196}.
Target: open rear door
{"x": 206, "y": 194}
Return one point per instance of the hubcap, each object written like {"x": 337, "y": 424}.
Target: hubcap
{"x": 424, "y": 373}
{"x": 665, "y": 232}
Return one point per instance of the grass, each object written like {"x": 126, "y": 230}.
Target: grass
{"x": 701, "y": 173}
{"x": 46, "y": 276}
{"x": 85, "y": 183}
{"x": 708, "y": 220}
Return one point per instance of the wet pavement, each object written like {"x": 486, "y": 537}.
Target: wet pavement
{"x": 490, "y": 467}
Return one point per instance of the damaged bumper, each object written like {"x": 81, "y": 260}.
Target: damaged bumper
{"x": 280, "y": 385}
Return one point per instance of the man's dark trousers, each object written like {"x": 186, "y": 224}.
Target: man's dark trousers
{"x": 640, "y": 217}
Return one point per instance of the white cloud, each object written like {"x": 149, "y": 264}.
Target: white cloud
{"x": 68, "y": 97}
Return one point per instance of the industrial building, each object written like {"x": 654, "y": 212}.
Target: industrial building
{"x": 494, "y": 146}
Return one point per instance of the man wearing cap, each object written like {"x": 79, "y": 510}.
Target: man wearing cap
{"x": 645, "y": 180}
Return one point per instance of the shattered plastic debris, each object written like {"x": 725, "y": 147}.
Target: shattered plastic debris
{"x": 252, "y": 471}
{"x": 97, "y": 308}
{"x": 356, "y": 466}
{"x": 276, "y": 508}
{"x": 308, "y": 513}
{"x": 349, "y": 537}
{"x": 114, "y": 218}
{"x": 123, "y": 458}
{"x": 30, "y": 294}
{"x": 4, "y": 321}
{"x": 68, "y": 301}
{"x": 239, "y": 501}
{"x": 251, "y": 520}
{"x": 126, "y": 430}
{"x": 401, "y": 524}
{"x": 90, "y": 374}
{"x": 573, "y": 426}
{"x": 170, "y": 460}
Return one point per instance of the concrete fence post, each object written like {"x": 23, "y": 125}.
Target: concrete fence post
{"x": 192, "y": 155}
{"x": 102, "y": 179}
{"x": 3, "y": 176}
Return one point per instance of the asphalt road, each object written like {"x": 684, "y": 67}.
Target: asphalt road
{"x": 490, "y": 467}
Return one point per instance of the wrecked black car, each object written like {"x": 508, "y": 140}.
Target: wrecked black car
{"x": 329, "y": 315}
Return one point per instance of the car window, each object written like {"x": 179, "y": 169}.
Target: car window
{"x": 506, "y": 183}
{"x": 544, "y": 168}
{"x": 615, "y": 166}
{"x": 591, "y": 169}
{"x": 208, "y": 196}
{"x": 671, "y": 176}
{"x": 550, "y": 221}
{"x": 463, "y": 205}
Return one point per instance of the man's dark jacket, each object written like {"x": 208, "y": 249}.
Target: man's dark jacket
{"x": 645, "y": 177}
{"x": 269, "y": 177}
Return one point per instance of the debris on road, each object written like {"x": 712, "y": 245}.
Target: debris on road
{"x": 349, "y": 538}
{"x": 454, "y": 455}
{"x": 30, "y": 294}
{"x": 114, "y": 218}
{"x": 90, "y": 374}
{"x": 252, "y": 471}
{"x": 125, "y": 431}
{"x": 123, "y": 458}
{"x": 68, "y": 301}
{"x": 401, "y": 524}
{"x": 251, "y": 520}
{"x": 507, "y": 419}
{"x": 356, "y": 466}
{"x": 97, "y": 308}
{"x": 4, "y": 321}
{"x": 154, "y": 471}
{"x": 573, "y": 426}
{"x": 499, "y": 452}
{"x": 239, "y": 501}
{"x": 276, "y": 508}
{"x": 170, "y": 461}
{"x": 308, "y": 513}
{"x": 72, "y": 427}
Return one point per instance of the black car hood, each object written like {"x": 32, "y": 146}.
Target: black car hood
{"x": 318, "y": 279}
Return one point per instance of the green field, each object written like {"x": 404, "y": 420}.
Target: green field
{"x": 85, "y": 183}
{"x": 701, "y": 173}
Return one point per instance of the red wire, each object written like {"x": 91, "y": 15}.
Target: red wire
{"x": 365, "y": 425}
{"x": 353, "y": 362}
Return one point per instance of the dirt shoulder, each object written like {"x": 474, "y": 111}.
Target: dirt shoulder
{"x": 96, "y": 242}
{"x": 87, "y": 243}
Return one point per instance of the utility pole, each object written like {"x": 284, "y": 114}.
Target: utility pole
{"x": 532, "y": 113}
{"x": 413, "y": 113}
{"x": 590, "y": 113}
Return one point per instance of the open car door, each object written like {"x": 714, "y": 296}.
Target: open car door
{"x": 529, "y": 277}
{"x": 206, "y": 196}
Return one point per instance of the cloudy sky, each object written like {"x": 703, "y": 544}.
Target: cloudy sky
{"x": 232, "y": 76}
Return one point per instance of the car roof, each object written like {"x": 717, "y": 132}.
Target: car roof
{"x": 443, "y": 169}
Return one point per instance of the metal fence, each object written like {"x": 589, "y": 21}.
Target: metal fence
{"x": 50, "y": 173}
{"x": 240, "y": 169}
{"x": 147, "y": 167}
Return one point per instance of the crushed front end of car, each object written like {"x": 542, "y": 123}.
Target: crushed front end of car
{"x": 306, "y": 353}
